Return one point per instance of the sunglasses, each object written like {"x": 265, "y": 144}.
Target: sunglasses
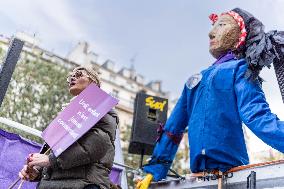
{"x": 77, "y": 74}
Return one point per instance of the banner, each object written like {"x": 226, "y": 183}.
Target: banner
{"x": 115, "y": 175}
{"x": 77, "y": 118}
{"x": 13, "y": 153}
{"x": 14, "y": 150}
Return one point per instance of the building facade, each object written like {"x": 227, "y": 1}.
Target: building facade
{"x": 123, "y": 83}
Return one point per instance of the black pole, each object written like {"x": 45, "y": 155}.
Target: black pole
{"x": 9, "y": 64}
{"x": 251, "y": 180}
{"x": 142, "y": 156}
{"x": 279, "y": 71}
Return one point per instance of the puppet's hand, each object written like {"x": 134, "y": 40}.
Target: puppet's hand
{"x": 144, "y": 184}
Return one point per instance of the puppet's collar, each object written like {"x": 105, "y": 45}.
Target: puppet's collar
{"x": 224, "y": 58}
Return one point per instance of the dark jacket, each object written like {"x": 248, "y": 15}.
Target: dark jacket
{"x": 88, "y": 161}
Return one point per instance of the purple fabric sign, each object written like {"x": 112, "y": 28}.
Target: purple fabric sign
{"x": 115, "y": 175}
{"x": 14, "y": 150}
{"x": 77, "y": 118}
{"x": 13, "y": 153}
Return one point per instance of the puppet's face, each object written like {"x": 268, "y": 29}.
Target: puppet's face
{"x": 224, "y": 36}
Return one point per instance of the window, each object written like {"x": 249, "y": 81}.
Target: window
{"x": 130, "y": 85}
{"x": 111, "y": 77}
{"x": 115, "y": 93}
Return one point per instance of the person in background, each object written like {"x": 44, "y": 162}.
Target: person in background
{"x": 86, "y": 163}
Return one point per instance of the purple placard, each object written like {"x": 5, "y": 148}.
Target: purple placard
{"x": 77, "y": 118}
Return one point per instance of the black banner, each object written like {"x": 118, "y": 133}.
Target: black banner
{"x": 8, "y": 65}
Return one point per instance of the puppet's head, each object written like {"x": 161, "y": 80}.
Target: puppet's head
{"x": 224, "y": 35}
{"x": 240, "y": 32}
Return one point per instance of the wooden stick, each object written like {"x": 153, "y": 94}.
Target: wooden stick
{"x": 20, "y": 186}
{"x": 47, "y": 151}
{"x": 16, "y": 181}
{"x": 220, "y": 180}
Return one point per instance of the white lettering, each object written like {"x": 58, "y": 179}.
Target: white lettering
{"x": 94, "y": 112}
{"x": 82, "y": 115}
{"x": 75, "y": 122}
{"x": 84, "y": 104}
{"x": 68, "y": 129}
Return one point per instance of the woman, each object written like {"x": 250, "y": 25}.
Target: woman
{"x": 86, "y": 163}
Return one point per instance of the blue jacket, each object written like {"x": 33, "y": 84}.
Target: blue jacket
{"x": 214, "y": 109}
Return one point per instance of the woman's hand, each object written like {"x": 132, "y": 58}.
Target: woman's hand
{"x": 144, "y": 184}
{"x": 40, "y": 160}
{"x": 28, "y": 173}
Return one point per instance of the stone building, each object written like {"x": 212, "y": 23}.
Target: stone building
{"x": 123, "y": 83}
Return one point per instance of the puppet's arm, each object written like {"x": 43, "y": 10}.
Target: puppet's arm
{"x": 170, "y": 138}
{"x": 255, "y": 111}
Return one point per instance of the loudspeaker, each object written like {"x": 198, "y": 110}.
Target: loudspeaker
{"x": 149, "y": 112}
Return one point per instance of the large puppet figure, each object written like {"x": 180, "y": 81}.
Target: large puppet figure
{"x": 215, "y": 102}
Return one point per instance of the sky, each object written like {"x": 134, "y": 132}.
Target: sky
{"x": 168, "y": 39}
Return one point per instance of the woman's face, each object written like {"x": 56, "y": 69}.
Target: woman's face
{"x": 224, "y": 35}
{"x": 78, "y": 80}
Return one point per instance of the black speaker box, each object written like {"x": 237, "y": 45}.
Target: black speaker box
{"x": 149, "y": 112}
